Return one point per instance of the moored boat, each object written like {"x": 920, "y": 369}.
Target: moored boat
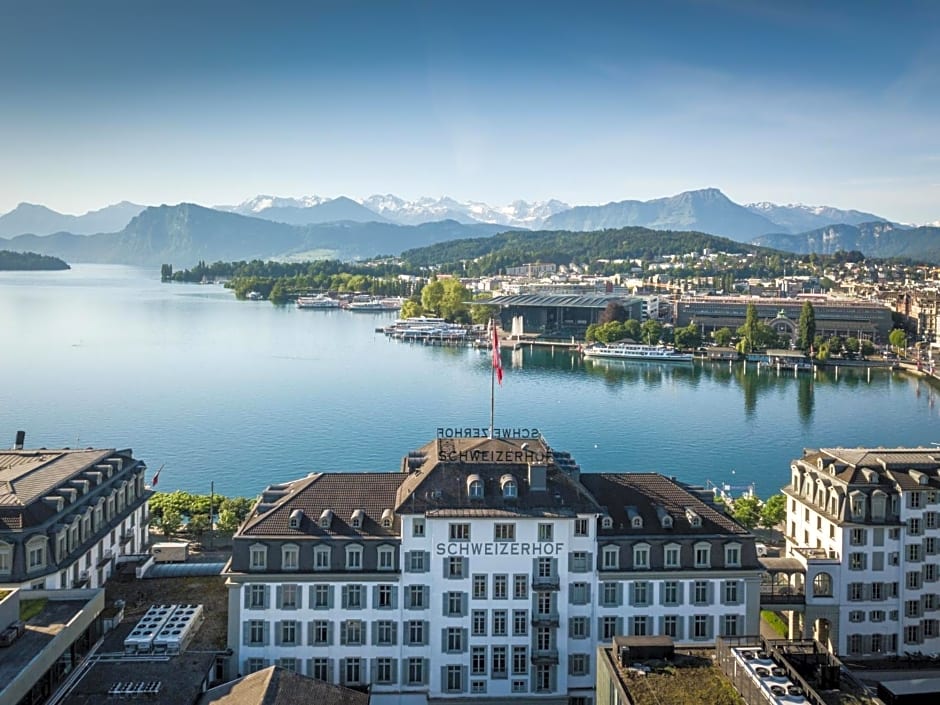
{"x": 635, "y": 351}
{"x": 318, "y": 301}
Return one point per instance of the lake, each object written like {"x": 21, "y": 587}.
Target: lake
{"x": 246, "y": 393}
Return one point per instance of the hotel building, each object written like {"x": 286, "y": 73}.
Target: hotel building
{"x": 864, "y": 525}
{"x": 67, "y": 515}
{"x": 483, "y": 570}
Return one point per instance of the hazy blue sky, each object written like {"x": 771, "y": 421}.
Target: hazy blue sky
{"x": 213, "y": 102}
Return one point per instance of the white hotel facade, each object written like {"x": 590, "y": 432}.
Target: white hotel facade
{"x": 865, "y": 526}
{"x": 486, "y": 569}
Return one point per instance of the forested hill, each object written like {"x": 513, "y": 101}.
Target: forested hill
{"x": 511, "y": 249}
{"x": 29, "y": 261}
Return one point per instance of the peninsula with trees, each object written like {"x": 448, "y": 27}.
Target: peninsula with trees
{"x": 30, "y": 262}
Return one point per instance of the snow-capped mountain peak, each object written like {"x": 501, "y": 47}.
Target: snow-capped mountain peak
{"x": 420, "y": 210}
{"x": 261, "y": 203}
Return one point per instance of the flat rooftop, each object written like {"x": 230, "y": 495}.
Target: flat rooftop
{"x": 41, "y": 630}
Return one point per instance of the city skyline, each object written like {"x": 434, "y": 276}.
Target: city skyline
{"x": 216, "y": 103}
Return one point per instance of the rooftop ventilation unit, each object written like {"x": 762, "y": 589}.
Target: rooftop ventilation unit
{"x": 140, "y": 640}
{"x": 179, "y": 630}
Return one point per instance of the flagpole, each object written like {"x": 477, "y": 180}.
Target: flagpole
{"x": 492, "y": 380}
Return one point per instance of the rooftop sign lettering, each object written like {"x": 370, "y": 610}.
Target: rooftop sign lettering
{"x": 466, "y": 548}
{"x": 447, "y": 453}
{"x": 505, "y": 433}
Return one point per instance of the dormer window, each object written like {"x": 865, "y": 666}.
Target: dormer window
{"x": 296, "y": 518}
{"x": 358, "y": 516}
{"x": 607, "y": 522}
{"x": 665, "y": 519}
{"x": 475, "y": 487}
{"x": 636, "y": 521}
{"x": 388, "y": 517}
{"x": 695, "y": 521}
{"x": 326, "y": 519}
{"x": 509, "y": 486}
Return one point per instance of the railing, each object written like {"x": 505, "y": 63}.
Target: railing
{"x": 542, "y": 582}
{"x": 781, "y": 596}
{"x": 548, "y": 619}
{"x": 545, "y": 656}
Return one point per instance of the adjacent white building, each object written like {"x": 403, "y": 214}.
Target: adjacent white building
{"x": 484, "y": 570}
{"x": 865, "y": 525}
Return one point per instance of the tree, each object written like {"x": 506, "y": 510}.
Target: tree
{"x": 807, "y": 326}
{"x": 722, "y": 337}
{"x": 774, "y": 511}
{"x": 410, "y": 309}
{"x": 198, "y": 524}
{"x": 614, "y": 311}
{"x": 651, "y": 331}
{"x": 228, "y": 521}
{"x": 278, "y": 293}
{"x": 688, "y": 338}
{"x": 868, "y": 348}
{"x": 750, "y": 331}
{"x": 431, "y": 296}
{"x": 746, "y": 511}
{"x": 898, "y": 339}
{"x": 170, "y": 522}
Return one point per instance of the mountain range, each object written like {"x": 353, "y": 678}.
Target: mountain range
{"x": 268, "y": 226}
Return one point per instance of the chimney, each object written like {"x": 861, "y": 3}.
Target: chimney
{"x": 538, "y": 476}
{"x": 20, "y": 440}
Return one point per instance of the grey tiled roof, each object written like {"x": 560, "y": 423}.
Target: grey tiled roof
{"x": 277, "y": 686}
{"x": 27, "y": 475}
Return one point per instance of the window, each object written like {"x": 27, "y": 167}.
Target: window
{"x": 454, "y": 603}
{"x": 915, "y": 500}
{"x": 321, "y": 596}
{"x": 256, "y": 596}
{"x": 479, "y": 587}
{"x": 609, "y": 593}
{"x": 520, "y": 658}
{"x": 499, "y": 661}
{"x": 289, "y": 594}
{"x": 459, "y": 532}
{"x": 504, "y": 532}
{"x": 383, "y": 670}
{"x": 578, "y": 628}
{"x": 930, "y": 520}
{"x": 545, "y": 567}
{"x": 912, "y": 634}
{"x": 518, "y": 686}
{"x": 499, "y": 622}
{"x": 671, "y": 626}
{"x": 387, "y": 558}
{"x": 454, "y": 643}
{"x": 640, "y": 593}
{"x": 610, "y": 558}
{"x": 703, "y": 555}
{"x": 478, "y": 686}
{"x": 857, "y": 561}
{"x": 930, "y": 545}
{"x": 475, "y": 489}
{"x": 320, "y": 632}
{"x": 543, "y": 639}
{"x": 578, "y": 664}
{"x": 289, "y": 632}
{"x": 510, "y": 489}
{"x": 857, "y": 616}
{"x": 520, "y": 586}
{"x": 671, "y": 556}
{"x": 579, "y": 562}
{"x": 417, "y": 562}
{"x": 352, "y": 632}
{"x": 478, "y": 623}
{"x": 876, "y": 616}
{"x": 914, "y": 552}
{"x": 320, "y": 669}
{"x": 543, "y": 679}
{"x": 256, "y": 631}
{"x": 913, "y": 580}
{"x": 930, "y": 572}
{"x": 700, "y": 626}
{"x": 700, "y": 593}
{"x": 455, "y": 567}
{"x": 454, "y": 680}
{"x": 641, "y": 556}
{"x": 416, "y": 596}
{"x": 545, "y": 604}
{"x": 608, "y": 627}
{"x": 478, "y": 660}
{"x": 877, "y": 591}
{"x": 416, "y": 633}
{"x": 6, "y": 558}
{"x": 500, "y": 587}
{"x": 930, "y": 601}
{"x": 914, "y": 527}
{"x": 731, "y": 591}
{"x": 640, "y": 626}
{"x": 607, "y": 522}
{"x": 352, "y": 672}
{"x": 353, "y": 597}
{"x": 258, "y": 557}
{"x": 290, "y": 557}
{"x": 732, "y": 556}
{"x": 580, "y": 593}
{"x": 354, "y": 557}
{"x": 383, "y": 597}
{"x": 253, "y": 665}
{"x": 321, "y": 558}
{"x": 856, "y": 591}
{"x": 581, "y": 527}
{"x": 545, "y": 532}
{"x": 671, "y": 592}
{"x": 417, "y": 527}
{"x": 415, "y": 671}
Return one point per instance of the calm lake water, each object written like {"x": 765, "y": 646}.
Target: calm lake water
{"x": 246, "y": 393}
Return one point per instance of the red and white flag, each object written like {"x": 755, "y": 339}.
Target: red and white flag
{"x": 156, "y": 476}
{"x": 497, "y": 359}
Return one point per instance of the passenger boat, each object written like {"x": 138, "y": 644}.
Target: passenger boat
{"x": 635, "y": 351}
{"x": 318, "y": 301}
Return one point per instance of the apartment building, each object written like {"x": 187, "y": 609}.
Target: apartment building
{"x": 485, "y": 569}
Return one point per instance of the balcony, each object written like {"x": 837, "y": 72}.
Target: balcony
{"x": 545, "y": 657}
{"x": 105, "y": 558}
{"x": 548, "y": 619}
{"x": 545, "y": 582}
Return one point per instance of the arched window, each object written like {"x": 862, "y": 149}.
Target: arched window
{"x": 508, "y": 483}
{"x": 475, "y": 487}
{"x": 822, "y": 585}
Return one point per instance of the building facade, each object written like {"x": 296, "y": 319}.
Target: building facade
{"x": 484, "y": 570}
{"x": 67, "y": 515}
{"x": 865, "y": 524}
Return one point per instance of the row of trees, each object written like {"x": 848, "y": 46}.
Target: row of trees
{"x": 178, "y": 511}
{"x": 750, "y": 511}
{"x": 450, "y": 300}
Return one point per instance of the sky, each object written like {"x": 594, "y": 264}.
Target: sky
{"x": 164, "y": 101}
